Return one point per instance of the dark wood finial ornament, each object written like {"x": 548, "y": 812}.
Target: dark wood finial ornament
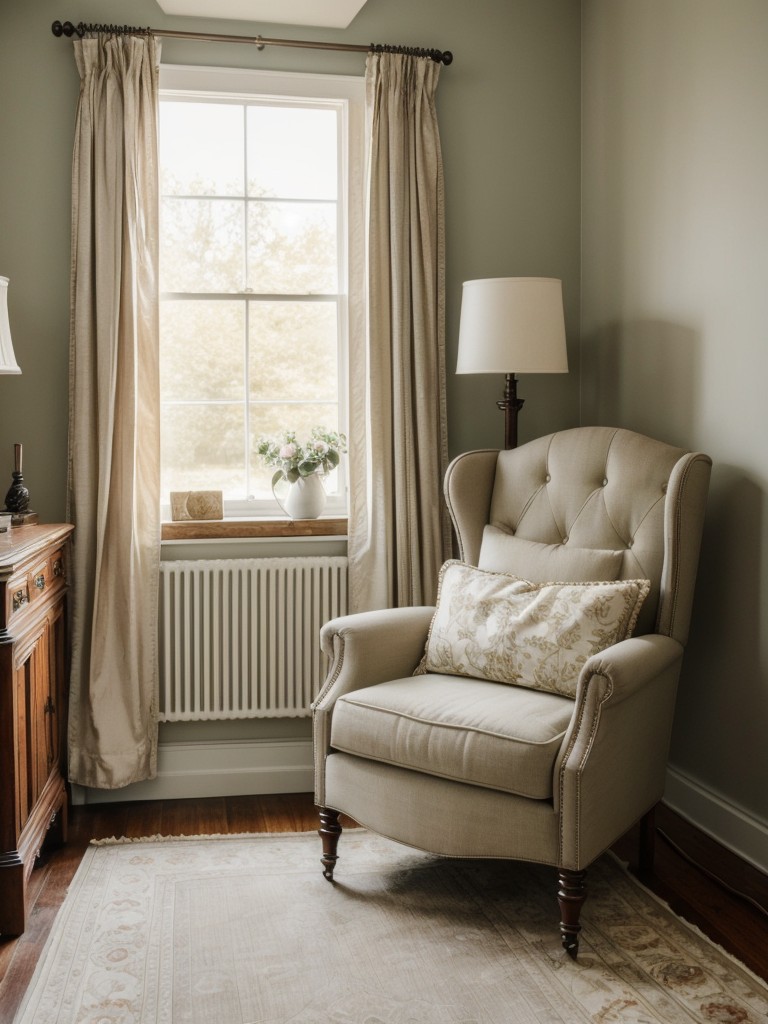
{"x": 17, "y": 498}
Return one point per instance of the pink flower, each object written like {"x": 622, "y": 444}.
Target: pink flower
{"x": 288, "y": 451}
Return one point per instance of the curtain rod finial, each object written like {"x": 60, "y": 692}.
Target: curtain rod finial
{"x": 67, "y": 29}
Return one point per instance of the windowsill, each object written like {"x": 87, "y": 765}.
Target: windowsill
{"x": 231, "y": 529}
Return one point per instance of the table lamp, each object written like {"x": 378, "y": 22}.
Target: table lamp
{"x": 512, "y": 325}
{"x": 17, "y": 498}
{"x": 8, "y": 362}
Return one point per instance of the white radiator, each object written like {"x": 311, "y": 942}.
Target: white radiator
{"x": 241, "y": 638}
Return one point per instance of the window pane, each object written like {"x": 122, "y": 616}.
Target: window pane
{"x": 203, "y": 449}
{"x": 292, "y": 247}
{"x": 291, "y": 152}
{"x": 251, "y": 322}
{"x": 202, "y": 350}
{"x": 202, "y": 245}
{"x": 189, "y": 168}
{"x": 293, "y": 349}
{"x": 271, "y": 420}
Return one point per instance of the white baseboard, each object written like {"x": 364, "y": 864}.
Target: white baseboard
{"x": 222, "y": 768}
{"x": 730, "y": 825}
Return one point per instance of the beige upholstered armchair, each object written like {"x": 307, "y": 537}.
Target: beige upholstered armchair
{"x": 537, "y": 724}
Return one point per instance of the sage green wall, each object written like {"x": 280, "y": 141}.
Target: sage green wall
{"x": 675, "y": 335}
{"x": 509, "y": 113}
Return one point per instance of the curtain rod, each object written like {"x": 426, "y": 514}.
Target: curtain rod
{"x": 68, "y": 29}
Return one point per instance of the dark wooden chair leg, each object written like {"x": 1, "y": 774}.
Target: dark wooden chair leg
{"x": 571, "y": 895}
{"x": 329, "y": 832}
{"x": 646, "y": 844}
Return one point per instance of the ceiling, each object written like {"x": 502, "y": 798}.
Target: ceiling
{"x": 320, "y": 13}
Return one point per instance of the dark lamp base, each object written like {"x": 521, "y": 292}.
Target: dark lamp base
{"x": 23, "y": 518}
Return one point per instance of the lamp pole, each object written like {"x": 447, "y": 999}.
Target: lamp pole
{"x": 510, "y": 405}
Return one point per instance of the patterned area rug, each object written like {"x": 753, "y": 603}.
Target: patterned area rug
{"x": 239, "y": 930}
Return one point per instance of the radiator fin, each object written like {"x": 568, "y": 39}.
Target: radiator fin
{"x": 241, "y": 638}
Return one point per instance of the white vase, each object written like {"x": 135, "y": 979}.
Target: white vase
{"x": 305, "y": 499}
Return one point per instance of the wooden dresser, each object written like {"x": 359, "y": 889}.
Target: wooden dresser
{"x": 33, "y": 709}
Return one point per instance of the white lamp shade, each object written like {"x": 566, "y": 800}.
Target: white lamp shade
{"x": 8, "y": 362}
{"x": 512, "y": 325}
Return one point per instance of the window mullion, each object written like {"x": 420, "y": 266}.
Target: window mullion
{"x": 247, "y": 313}
{"x": 246, "y": 397}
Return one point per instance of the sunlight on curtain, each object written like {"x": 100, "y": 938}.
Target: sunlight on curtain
{"x": 399, "y": 533}
{"x": 114, "y": 399}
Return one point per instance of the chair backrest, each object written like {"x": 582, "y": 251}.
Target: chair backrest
{"x": 591, "y": 503}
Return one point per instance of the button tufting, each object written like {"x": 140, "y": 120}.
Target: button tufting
{"x": 605, "y": 483}
{"x": 547, "y": 478}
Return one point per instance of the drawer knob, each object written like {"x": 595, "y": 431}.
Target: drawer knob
{"x": 40, "y": 581}
{"x": 20, "y": 598}
{"x": 58, "y": 567}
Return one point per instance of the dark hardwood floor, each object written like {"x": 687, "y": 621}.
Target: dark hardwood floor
{"x": 701, "y": 880}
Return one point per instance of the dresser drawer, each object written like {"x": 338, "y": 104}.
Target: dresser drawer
{"x": 16, "y": 596}
{"x": 46, "y": 575}
{"x": 29, "y": 586}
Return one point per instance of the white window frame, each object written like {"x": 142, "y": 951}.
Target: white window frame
{"x": 348, "y": 92}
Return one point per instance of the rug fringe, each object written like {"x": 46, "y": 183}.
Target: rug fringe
{"x": 127, "y": 840}
{"x": 157, "y": 838}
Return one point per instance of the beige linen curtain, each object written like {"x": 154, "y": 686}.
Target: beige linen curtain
{"x": 114, "y": 402}
{"x": 399, "y": 533}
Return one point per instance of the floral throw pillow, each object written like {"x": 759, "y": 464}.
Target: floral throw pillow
{"x": 496, "y": 626}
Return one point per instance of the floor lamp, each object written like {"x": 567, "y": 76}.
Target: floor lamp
{"x": 512, "y": 325}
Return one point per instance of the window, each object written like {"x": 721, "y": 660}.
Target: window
{"x": 260, "y": 180}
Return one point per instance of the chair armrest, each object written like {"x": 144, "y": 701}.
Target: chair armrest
{"x": 624, "y": 668}
{"x": 612, "y": 764}
{"x": 371, "y": 647}
{"x": 364, "y": 649}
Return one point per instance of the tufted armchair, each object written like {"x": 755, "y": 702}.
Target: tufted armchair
{"x": 474, "y": 758}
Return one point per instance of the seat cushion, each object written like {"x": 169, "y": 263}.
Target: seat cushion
{"x": 469, "y": 730}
